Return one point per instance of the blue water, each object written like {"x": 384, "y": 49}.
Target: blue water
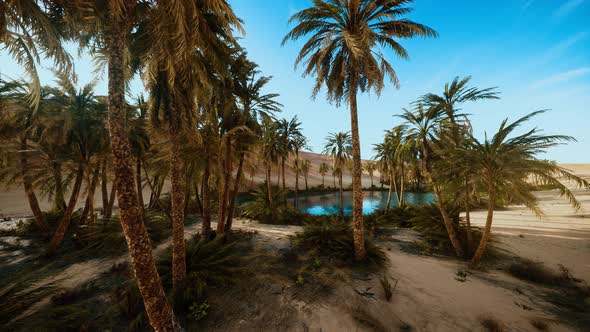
{"x": 328, "y": 203}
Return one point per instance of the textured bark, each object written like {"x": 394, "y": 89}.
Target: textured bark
{"x": 448, "y": 223}
{"x": 177, "y": 211}
{"x": 468, "y": 218}
{"x": 91, "y": 182}
{"x": 284, "y": 183}
{"x": 60, "y": 232}
{"x": 30, "y": 192}
{"x": 224, "y": 193}
{"x": 357, "y": 190}
{"x": 158, "y": 310}
{"x": 323, "y": 178}
{"x": 104, "y": 188}
{"x": 487, "y": 230}
{"x": 198, "y": 200}
{"x": 234, "y": 195}
{"x": 59, "y": 202}
{"x": 139, "y": 187}
{"x": 206, "y": 225}
{"x": 269, "y": 187}
{"x": 109, "y": 211}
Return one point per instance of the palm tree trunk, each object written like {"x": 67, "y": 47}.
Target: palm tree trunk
{"x": 177, "y": 211}
{"x": 389, "y": 194}
{"x": 139, "y": 187}
{"x": 104, "y": 188}
{"x": 198, "y": 199}
{"x": 234, "y": 196}
{"x": 296, "y": 181}
{"x": 371, "y": 180}
{"x": 30, "y": 192}
{"x": 60, "y": 232}
{"x": 109, "y": 211}
{"x": 393, "y": 180}
{"x": 334, "y": 177}
{"x": 224, "y": 194}
{"x": 341, "y": 197}
{"x": 306, "y": 187}
{"x": 59, "y": 202}
{"x": 269, "y": 187}
{"x": 206, "y": 226}
{"x": 91, "y": 192}
{"x": 323, "y": 182}
{"x": 468, "y": 218}
{"x": 448, "y": 223}
{"x": 159, "y": 312}
{"x": 284, "y": 185}
{"x": 487, "y": 230}
{"x": 357, "y": 190}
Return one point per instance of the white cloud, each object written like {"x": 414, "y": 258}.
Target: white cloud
{"x": 561, "y": 77}
{"x": 567, "y": 7}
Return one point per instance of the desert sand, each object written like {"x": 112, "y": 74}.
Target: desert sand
{"x": 428, "y": 296}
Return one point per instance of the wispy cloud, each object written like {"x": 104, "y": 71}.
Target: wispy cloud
{"x": 567, "y": 7}
{"x": 527, "y": 4}
{"x": 560, "y": 48}
{"x": 561, "y": 77}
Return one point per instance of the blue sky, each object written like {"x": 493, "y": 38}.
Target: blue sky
{"x": 536, "y": 52}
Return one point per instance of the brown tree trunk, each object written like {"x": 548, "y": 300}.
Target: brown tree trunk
{"x": 91, "y": 192}
{"x": 269, "y": 188}
{"x": 448, "y": 223}
{"x": 59, "y": 202}
{"x": 224, "y": 193}
{"x": 198, "y": 200}
{"x": 177, "y": 211}
{"x": 139, "y": 187}
{"x": 104, "y": 188}
{"x": 341, "y": 197}
{"x": 284, "y": 185}
{"x": 60, "y": 232}
{"x": 389, "y": 194}
{"x": 113, "y": 195}
{"x": 487, "y": 230}
{"x": 296, "y": 179}
{"x": 30, "y": 192}
{"x": 206, "y": 225}
{"x": 468, "y": 219}
{"x": 159, "y": 312}
{"x": 91, "y": 182}
{"x": 402, "y": 201}
{"x": 393, "y": 180}
{"x": 357, "y": 189}
{"x": 234, "y": 196}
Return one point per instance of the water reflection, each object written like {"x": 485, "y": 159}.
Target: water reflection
{"x": 328, "y": 203}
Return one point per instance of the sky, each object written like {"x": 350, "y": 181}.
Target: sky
{"x": 536, "y": 52}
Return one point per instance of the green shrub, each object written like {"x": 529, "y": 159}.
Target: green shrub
{"x": 387, "y": 287}
{"x": 198, "y": 311}
{"x": 334, "y": 240}
{"x": 259, "y": 208}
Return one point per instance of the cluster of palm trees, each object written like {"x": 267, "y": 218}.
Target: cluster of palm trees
{"x": 436, "y": 142}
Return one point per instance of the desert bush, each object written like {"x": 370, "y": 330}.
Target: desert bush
{"x": 533, "y": 271}
{"x": 334, "y": 240}
{"x": 258, "y": 208}
{"x": 387, "y": 287}
{"x": 490, "y": 324}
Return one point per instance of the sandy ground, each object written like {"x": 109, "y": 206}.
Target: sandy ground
{"x": 427, "y": 297}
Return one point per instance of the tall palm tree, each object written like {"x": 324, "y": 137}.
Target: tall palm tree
{"x": 299, "y": 143}
{"x": 507, "y": 164}
{"x": 344, "y": 53}
{"x": 290, "y": 133}
{"x": 370, "y": 168}
{"x": 19, "y": 120}
{"x": 324, "y": 169}
{"x": 339, "y": 147}
{"x": 305, "y": 168}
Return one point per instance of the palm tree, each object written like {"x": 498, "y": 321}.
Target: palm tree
{"x": 339, "y": 147}
{"x": 324, "y": 169}
{"x": 305, "y": 168}
{"x": 370, "y": 168}
{"x": 507, "y": 164}
{"x": 19, "y": 121}
{"x": 299, "y": 142}
{"x": 27, "y": 31}
{"x": 290, "y": 133}
{"x": 344, "y": 53}
{"x": 270, "y": 154}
